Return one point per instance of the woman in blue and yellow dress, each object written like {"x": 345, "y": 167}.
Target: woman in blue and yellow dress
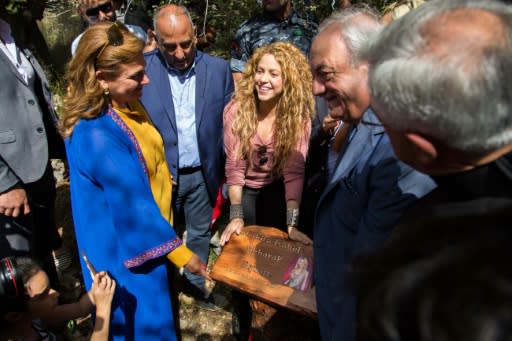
{"x": 120, "y": 183}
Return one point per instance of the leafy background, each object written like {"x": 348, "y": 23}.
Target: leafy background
{"x": 61, "y": 22}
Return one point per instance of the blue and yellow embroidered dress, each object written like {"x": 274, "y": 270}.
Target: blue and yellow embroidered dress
{"x": 121, "y": 201}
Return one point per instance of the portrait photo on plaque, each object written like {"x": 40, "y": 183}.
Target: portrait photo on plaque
{"x": 299, "y": 273}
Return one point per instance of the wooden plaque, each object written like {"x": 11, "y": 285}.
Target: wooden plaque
{"x": 265, "y": 264}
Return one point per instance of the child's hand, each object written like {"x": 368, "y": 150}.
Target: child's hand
{"x": 102, "y": 290}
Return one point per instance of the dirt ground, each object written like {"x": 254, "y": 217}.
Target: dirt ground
{"x": 195, "y": 323}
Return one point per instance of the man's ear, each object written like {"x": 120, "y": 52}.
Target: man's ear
{"x": 194, "y": 39}
{"x": 364, "y": 66}
{"x": 426, "y": 149}
{"x": 151, "y": 43}
{"x": 151, "y": 35}
{"x": 80, "y": 10}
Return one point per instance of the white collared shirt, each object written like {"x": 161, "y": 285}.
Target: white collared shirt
{"x": 17, "y": 58}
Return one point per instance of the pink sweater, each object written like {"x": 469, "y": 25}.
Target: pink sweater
{"x": 258, "y": 176}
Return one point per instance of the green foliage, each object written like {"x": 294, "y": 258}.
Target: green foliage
{"x": 13, "y": 6}
{"x": 225, "y": 17}
{"x": 61, "y": 24}
{"x": 380, "y": 5}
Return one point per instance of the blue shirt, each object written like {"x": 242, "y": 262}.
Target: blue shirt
{"x": 183, "y": 89}
{"x": 332, "y": 154}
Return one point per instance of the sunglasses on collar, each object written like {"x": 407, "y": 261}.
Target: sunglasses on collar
{"x": 95, "y": 11}
{"x": 262, "y": 154}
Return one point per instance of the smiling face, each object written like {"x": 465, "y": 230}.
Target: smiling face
{"x": 302, "y": 263}
{"x": 343, "y": 85}
{"x": 268, "y": 80}
{"x": 94, "y": 11}
{"x": 127, "y": 86}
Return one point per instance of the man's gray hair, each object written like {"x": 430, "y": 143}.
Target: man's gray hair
{"x": 461, "y": 99}
{"x": 355, "y": 31}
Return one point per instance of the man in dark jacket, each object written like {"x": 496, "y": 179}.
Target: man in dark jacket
{"x": 445, "y": 98}
{"x": 442, "y": 88}
{"x": 28, "y": 139}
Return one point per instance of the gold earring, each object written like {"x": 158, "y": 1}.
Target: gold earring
{"x": 106, "y": 91}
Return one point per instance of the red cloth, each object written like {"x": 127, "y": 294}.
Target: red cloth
{"x": 219, "y": 203}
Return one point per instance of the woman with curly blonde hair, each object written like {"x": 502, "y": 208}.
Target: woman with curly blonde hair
{"x": 266, "y": 133}
{"x": 120, "y": 183}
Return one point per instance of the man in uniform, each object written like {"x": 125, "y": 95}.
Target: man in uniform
{"x": 278, "y": 22}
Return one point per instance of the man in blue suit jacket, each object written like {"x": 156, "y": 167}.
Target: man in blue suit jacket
{"x": 369, "y": 187}
{"x": 186, "y": 99}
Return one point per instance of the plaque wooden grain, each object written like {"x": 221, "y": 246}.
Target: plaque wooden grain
{"x": 258, "y": 262}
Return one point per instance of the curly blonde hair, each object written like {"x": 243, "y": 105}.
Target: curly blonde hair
{"x": 295, "y": 107}
{"x": 85, "y": 97}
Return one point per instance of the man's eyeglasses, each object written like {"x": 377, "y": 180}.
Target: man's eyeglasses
{"x": 114, "y": 35}
{"x": 171, "y": 47}
{"x": 262, "y": 154}
{"x": 93, "y": 13}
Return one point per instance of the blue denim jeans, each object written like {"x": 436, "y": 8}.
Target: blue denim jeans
{"x": 192, "y": 197}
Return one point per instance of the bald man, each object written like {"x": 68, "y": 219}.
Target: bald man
{"x": 186, "y": 99}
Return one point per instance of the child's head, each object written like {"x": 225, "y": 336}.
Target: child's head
{"x": 24, "y": 288}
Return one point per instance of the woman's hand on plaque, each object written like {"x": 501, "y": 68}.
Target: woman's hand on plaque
{"x": 295, "y": 234}
{"x": 234, "y": 226}
{"x": 197, "y": 267}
